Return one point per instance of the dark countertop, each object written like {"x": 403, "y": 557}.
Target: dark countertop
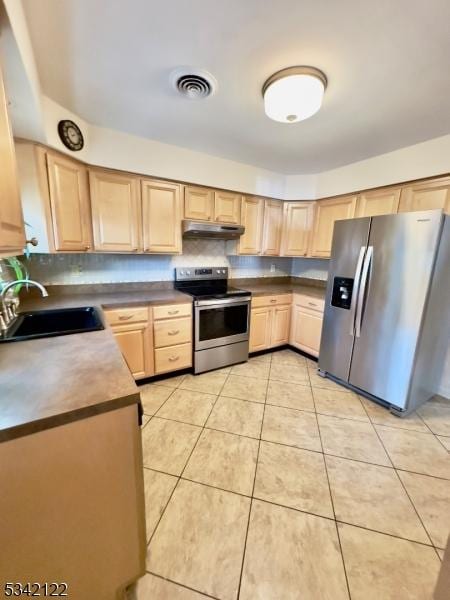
{"x": 104, "y": 300}
{"x": 51, "y": 381}
{"x": 267, "y": 289}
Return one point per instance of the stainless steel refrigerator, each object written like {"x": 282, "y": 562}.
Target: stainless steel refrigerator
{"x": 386, "y": 326}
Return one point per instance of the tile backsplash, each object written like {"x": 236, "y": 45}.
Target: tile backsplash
{"x": 52, "y": 269}
{"x": 311, "y": 268}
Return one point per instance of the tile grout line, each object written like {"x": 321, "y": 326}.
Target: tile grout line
{"x": 299, "y": 510}
{"x": 402, "y": 484}
{"x": 186, "y": 587}
{"x": 190, "y": 454}
{"x": 331, "y": 494}
{"x": 298, "y": 447}
{"x": 253, "y": 487}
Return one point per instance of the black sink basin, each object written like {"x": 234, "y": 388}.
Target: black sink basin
{"x": 50, "y": 323}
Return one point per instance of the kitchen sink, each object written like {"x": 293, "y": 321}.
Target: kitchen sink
{"x": 50, "y": 323}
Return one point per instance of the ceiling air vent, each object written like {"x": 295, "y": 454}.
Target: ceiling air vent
{"x": 194, "y": 84}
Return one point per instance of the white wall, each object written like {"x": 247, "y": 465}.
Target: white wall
{"x": 114, "y": 149}
{"x": 109, "y": 148}
{"x": 413, "y": 162}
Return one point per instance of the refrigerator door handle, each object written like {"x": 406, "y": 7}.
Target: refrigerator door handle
{"x": 356, "y": 283}
{"x": 362, "y": 290}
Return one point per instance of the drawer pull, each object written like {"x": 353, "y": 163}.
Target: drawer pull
{"x": 173, "y": 332}
{"x": 173, "y": 358}
{"x": 125, "y": 317}
{"x": 273, "y": 300}
{"x": 312, "y": 304}
{"x": 173, "y": 312}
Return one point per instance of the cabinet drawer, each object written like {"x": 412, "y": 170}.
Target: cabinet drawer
{"x": 122, "y": 316}
{"x": 173, "y": 358}
{"x": 274, "y": 300}
{"x": 168, "y": 311}
{"x": 309, "y": 302}
{"x": 172, "y": 331}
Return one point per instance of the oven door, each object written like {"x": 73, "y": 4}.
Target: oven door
{"x": 221, "y": 322}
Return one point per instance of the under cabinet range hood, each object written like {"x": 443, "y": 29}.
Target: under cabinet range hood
{"x": 201, "y": 229}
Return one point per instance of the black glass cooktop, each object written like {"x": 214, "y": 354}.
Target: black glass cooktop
{"x": 210, "y": 291}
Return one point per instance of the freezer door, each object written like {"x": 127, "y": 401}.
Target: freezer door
{"x": 394, "y": 285}
{"x": 347, "y": 253}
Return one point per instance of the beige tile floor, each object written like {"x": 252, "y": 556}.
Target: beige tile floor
{"x": 265, "y": 481}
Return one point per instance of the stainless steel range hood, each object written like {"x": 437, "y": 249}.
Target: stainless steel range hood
{"x": 200, "y": 229}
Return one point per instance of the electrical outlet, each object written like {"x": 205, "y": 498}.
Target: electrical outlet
{"x": 273, "y": 268}
{"x": 76, "y": 270}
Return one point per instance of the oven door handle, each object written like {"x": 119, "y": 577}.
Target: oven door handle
{"x": 223, "y": 302}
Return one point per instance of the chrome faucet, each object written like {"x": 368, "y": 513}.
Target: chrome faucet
{"x": 8, "y": 306}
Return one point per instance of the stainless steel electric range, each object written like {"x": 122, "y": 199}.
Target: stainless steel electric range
{"x": 221, "y": 317}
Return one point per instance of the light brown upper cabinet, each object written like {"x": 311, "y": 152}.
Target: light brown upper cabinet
{"x": 12, "y": 234}
{"x": 297, "y": 225}
{"x": 327, "y": 212}
{"x": 198, "y": 203}
{"x": 426, "y": 195}
{"x": 116, "y": 211}
{"x": 227, "y": 207}
{"x": 161, "y": 208}
{"x": 69, "y": 201}
{"x": 273, "y": 218}
{"x": 378, "y": 202}
{"x": 252, "y": 214}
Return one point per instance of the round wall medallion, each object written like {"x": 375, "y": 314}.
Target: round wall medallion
{"x": 70, "y": 135}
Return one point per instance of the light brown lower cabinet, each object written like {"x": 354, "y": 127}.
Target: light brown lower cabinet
{"x": 306, "y": 325}
{"x": 269, "y": 322}
{"x": 133, "y": 331}
{"x": 172, "y": 330}
{"x": 153, "y": 340}
{"x": 74, "y": 502}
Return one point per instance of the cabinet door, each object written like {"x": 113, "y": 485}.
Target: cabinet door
{"x": 252, "y": 212}
{"x": 326, "y": 213}
{"x": 273, "y": 217}
{"x": 137, "y": 349}
{"x": 260, "y": 329}
{"x": 227, "y": 207}
{"x": 306, "y": 329}
{"x": 12, "y": 233}
{"x": 427, "y": 195}
{"x": 281, "y": 321}
{"x": 297, "y": 224}
{"x": 198, "y": 203}
{"x": 116, "y": 214}
{"x": 161, "y": 205}
{"x": 69, "y": 201}
{"x": 378, "y": 202}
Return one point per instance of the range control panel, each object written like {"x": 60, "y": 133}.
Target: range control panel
{"x": 199, "y": 273}
{"x": 342, "y": 292}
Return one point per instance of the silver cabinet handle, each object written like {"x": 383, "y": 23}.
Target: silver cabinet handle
{"x": 362, "y": 290}
{"x": 173, "y": 312}
{"x": 356, "y": 281}
{"x": 173, "y": 332}
{"x": 125, "y": 317}
{"x": 173, "y": 358}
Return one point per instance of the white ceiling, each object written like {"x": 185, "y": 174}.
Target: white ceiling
{"x": 386, "y": 61}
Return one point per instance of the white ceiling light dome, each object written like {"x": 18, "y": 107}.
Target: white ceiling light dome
{"x": 294, "y": 94}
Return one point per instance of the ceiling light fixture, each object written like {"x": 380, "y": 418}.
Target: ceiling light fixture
{"x": 294, "y": 94}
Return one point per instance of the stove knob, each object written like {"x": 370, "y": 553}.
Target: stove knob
{"x": 181, "y": 272}
{"x": 188, "y": 272}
